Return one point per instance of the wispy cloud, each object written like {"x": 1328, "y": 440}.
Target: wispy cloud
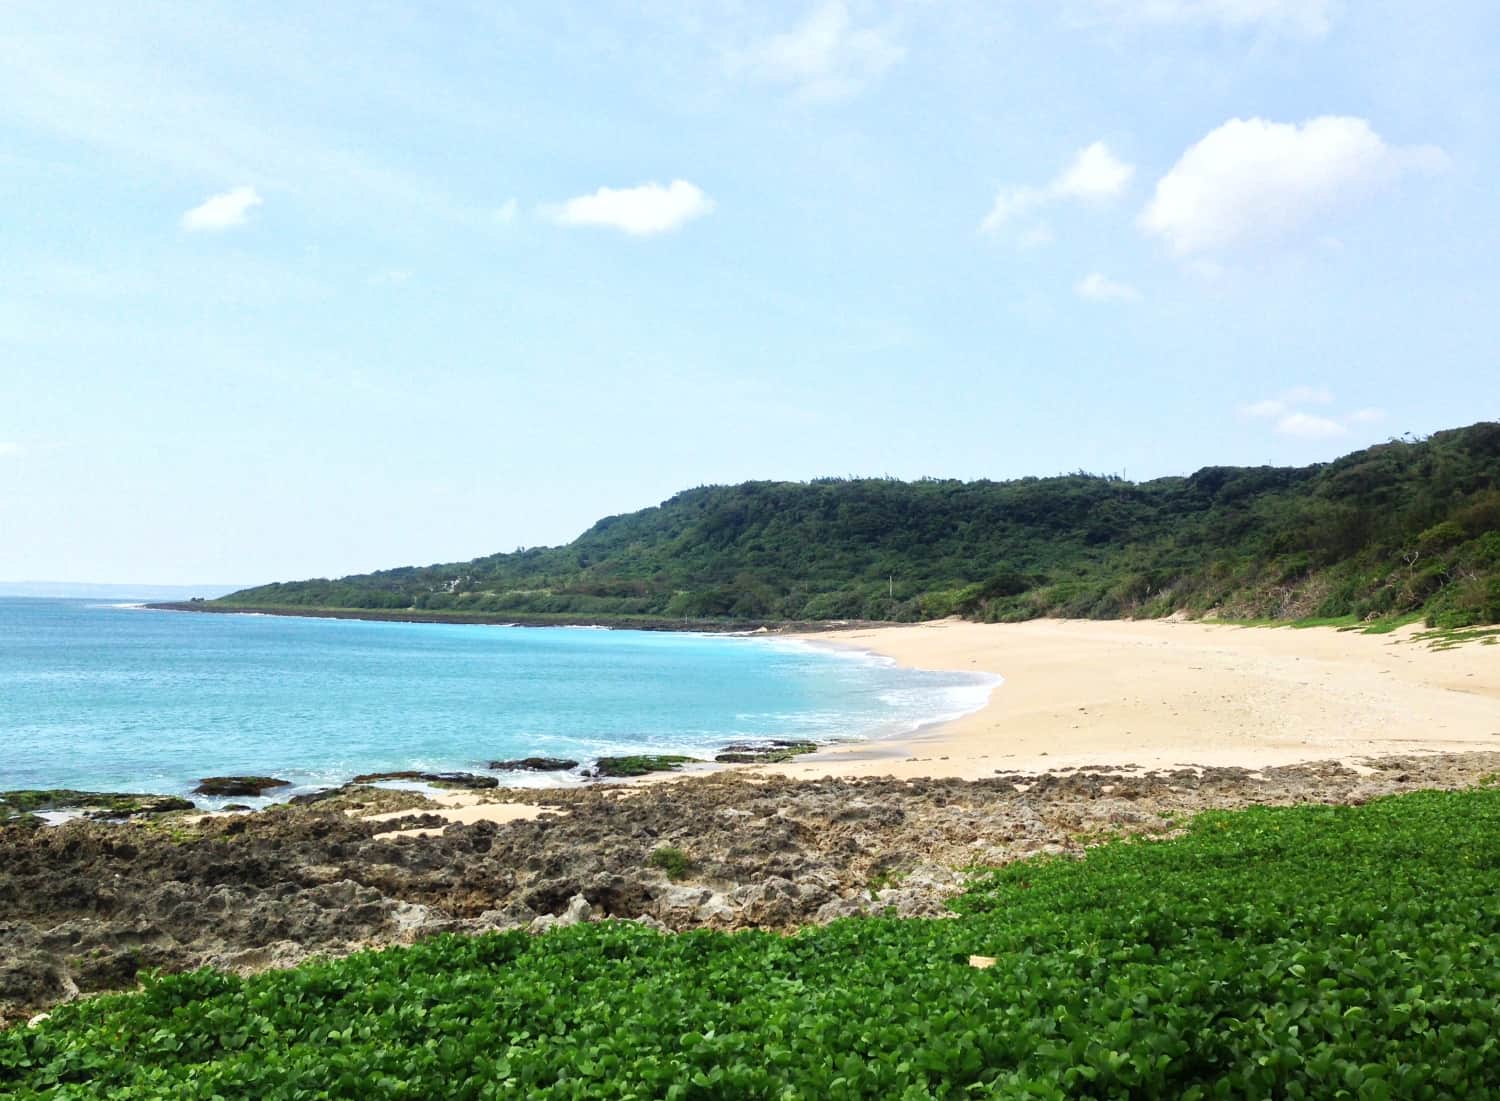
{"x": 641, "y": 211}
{"x": 9, "y": 448}
{"x": 825, "y": 57}
{"x": 1299, "y": 18}
{"x": 109, "y": 89}
{"x": 1094, "y": 175}
{"x": 223, "y": 211}
{"x": 1310, "y": 426}
{"x": 506, "y": 212}
{"x": 1096, "y": 287}
{"x": 1252, "y": 181}
{"x": 1288, "y": 415}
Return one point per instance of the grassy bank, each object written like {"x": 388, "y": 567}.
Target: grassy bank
{"x": 1303, "y": 952}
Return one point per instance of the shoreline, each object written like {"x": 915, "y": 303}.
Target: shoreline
{"x": 1171, "y": 693}
{"x": 783, "y": 627}
{"x": 1128, "y": 694}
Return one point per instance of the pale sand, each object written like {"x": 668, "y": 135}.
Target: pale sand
{"x": 1165, "y": 693}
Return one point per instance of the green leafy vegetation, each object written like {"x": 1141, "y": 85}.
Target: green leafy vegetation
{"x": 1409, "y": 526}
{"x": 1303, "y": 952}
{"x": 672, "y": 861}
{"x": 1446, "y": 638}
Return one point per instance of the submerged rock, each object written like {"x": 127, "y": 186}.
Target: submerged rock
{"x": 534, "y": 764}
{"x": 436, "y": 779}
{"x": 769, "y": 752}
{"x": 460, "y": 780}
{"x": 639, "y": 764}
{"x": 239, "y": 785}
{"x": 17, "y": 806}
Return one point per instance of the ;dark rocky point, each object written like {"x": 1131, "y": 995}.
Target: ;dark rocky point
{"x": 238, "y": 785}
{"x": 16, "y": 806}
{"x": 769, "y": 752}
{"x": 436, "y": 779}
{"x": 638, "y": 765}
{"x": 534, "y": 764}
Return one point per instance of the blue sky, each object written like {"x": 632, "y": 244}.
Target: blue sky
{"x": 290, "y": 291}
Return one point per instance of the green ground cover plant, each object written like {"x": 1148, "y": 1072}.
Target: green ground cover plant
{"x": 1327, "y": 952}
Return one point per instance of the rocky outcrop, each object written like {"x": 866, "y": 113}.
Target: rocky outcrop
{"x": 436, "y": 779}
{"x": 534, "y": 764}
{"x": 21, "y": 807}
{"x": 239, "y": 785}
{"x": 640, "y": 764}
{"x": 86, "y": 906}
{"x": 770, "y": 752}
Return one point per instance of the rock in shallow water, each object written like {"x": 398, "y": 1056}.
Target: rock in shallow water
{"x": 16, "y": 805}
{"x": 437, "y": 779}
{"x": 638, "y": 765}
{"x": 534, "y": 764}
{"x": 238, "y": 785}
{"x": 770, "y": 752}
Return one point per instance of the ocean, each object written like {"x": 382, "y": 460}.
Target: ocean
{"x": 111, "y": 697}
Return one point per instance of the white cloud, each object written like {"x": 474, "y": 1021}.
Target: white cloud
{"x": 1302, "y": 18}
{"x": 224, "y": 211}
{"x": 1253, "y": 180}
{"x": 506, "y": 213}
{"x": 1287, "y": 401}
{"x": 1094, "y": 175}
{"x": 1309, "y": 426}
{"x": 825, "y": 57}
{"x": 1095, "y": 287}
{"x": 639, "y": 211}
{"x": 1262, "y": 410}
{"x": 8, "y": 448}
{"x": 1011, "y": 203}
{"x": 1291, "y": 420}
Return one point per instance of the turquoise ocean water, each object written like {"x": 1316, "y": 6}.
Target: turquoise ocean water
{"x": 107, "y": 697}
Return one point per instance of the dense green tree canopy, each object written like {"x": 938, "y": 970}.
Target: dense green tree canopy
{"x": 1399, "y": 527}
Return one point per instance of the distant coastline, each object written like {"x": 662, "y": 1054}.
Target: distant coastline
{"x": 500, "y": 619}
{"x": 110, "y": 590}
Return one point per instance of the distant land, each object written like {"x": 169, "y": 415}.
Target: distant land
{"x": 111, "y": 590}
{"x": 1408, "y": 528}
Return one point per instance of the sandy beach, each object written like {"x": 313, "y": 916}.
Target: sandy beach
{"x": 1167, "y": 693}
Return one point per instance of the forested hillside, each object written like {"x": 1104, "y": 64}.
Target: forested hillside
{"x": 1400, "y": 527}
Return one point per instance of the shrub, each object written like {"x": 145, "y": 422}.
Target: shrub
{"x": 671, "y": 860}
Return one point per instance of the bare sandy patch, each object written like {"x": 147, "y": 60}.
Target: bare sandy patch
{"x": 1169, "y": 693}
